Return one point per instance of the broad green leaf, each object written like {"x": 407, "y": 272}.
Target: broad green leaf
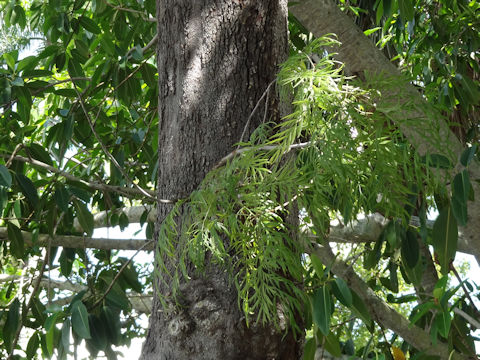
{"x": 28, "y": 189}
{"x": 99, "y": 339}
{"x": 420, "y": 310}
{"x": 89, "y": 25}
{"x": 332, "y": 345}
{"x": 342, "y": 292}
{"x": 38, "y": 152}
{"x": 66, "y": 261}
{"x": 80, "y": 320}
{"x": 148, "y": 72}
{"x": 33, "y": 345}
{"x": 443, "y": 321}
{"x": 49, "y": 339}
{"x": 406, "y": 10}
{"x": 461, "y": 185}
{"x": 15, "y": 236}
{"x": 459, "y": 209}
{"x": 117, "y": 297}
{"x": 461, "y": 192}
{"x": 66, "y": 333}
{"x": 437, "y": 161}
{"x": 11, "y": 324}
{"x": 75, "y": 70}
{"x": 359, "y": 307}
{"x": 317, "y": 265}
{"x": 5, "y": 177}
{"x": 111, "y": 319}
{"x": 445, "y": 237}
{"x": 62, "y": 197}
{"x": 322, "y": 309}
{"x": 410, "y": 249}
{"x": 85, "y": 217}
{"x": 309, "y": 349}
{"x": 468, "y": 154}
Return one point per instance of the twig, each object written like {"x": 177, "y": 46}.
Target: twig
{"x": 99, "y": 301}
{"x": 129, "y": 192}
{"x": 12, "y": 156}
{"x": 238, "y": 151}
{"x": 467, "y": 317}
{"x": 254, "y": 110}
{"x": 29, "y": 304}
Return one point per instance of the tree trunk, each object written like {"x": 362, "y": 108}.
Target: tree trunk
{"x": 215, "y": 60}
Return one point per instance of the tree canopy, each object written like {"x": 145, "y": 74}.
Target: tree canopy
{"x": 383, "y": 130}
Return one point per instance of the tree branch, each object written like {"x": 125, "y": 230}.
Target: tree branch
{"x": 429, "y": 134}
{"x": 125, "y": 191}
{"x": 379, "y": 310}
{"x": 82, "y": 242}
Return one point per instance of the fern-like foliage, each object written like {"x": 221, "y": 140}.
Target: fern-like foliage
{"x": 348, "y": 159}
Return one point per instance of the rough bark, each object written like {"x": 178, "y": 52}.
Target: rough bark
{"x": 215, "y": 60}
{"x": 360, "y": 56}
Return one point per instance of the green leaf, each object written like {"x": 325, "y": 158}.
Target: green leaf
{"x": 66, "y": 261}
{"x": 75, "y": 70}
{"x": 33, "y": 345}
{"x": 410, "y": 249}
{"x": 117, "y": 298}
{"x": 5, "y": 177}
{"x": 98, "y": 340}
{"x": 322, "y": 309}
{"x": 461, "y": 185}
{"x": 38, "y": 152}
{"x": 62, "y": 197}
{"x": 80, "y": 323}
{"x": 359, "y": 307}
{"x": 443, "y": 322}
{"x": 66, "y": 333}
{"x": 342, "y": 292}
{"x": 89, "y": 25}
{"x": 85, "y": 217}
{"x": 148, "y": 72}
{"x": 445, "y": 237}
{"x": 309, "y": 349}
{"x": 49, "y": 340}
{"x": 317, "y": 265}
{"x": 468, "y": 154}
{"x": 28, "y": 189}
{"x": 459, "y": 209}
{"x": 15, "y": 236}
{"x": 332, "y": 345}
{"x": 111, "y": 319}
{"x": 406, "y": 10}
{"x": 11, "y": 324}
{"x": 437, "y": 161}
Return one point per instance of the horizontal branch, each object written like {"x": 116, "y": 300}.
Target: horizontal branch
{"x": 83, "y": 242}
{"x": 380, "y": 311}
{"x": 128, "y": 192}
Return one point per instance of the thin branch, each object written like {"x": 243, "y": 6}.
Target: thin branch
{"x": 128, "y": 192}
{"x": 29, "y": 304}
{"x": 467, "y": 317}
{"x": 105, "y": 150}
{"x": 255, "y": 109}
{"x": 379, "y": 310}
{"x": 99, "y": 301}
{"x": 81, "y": 242}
